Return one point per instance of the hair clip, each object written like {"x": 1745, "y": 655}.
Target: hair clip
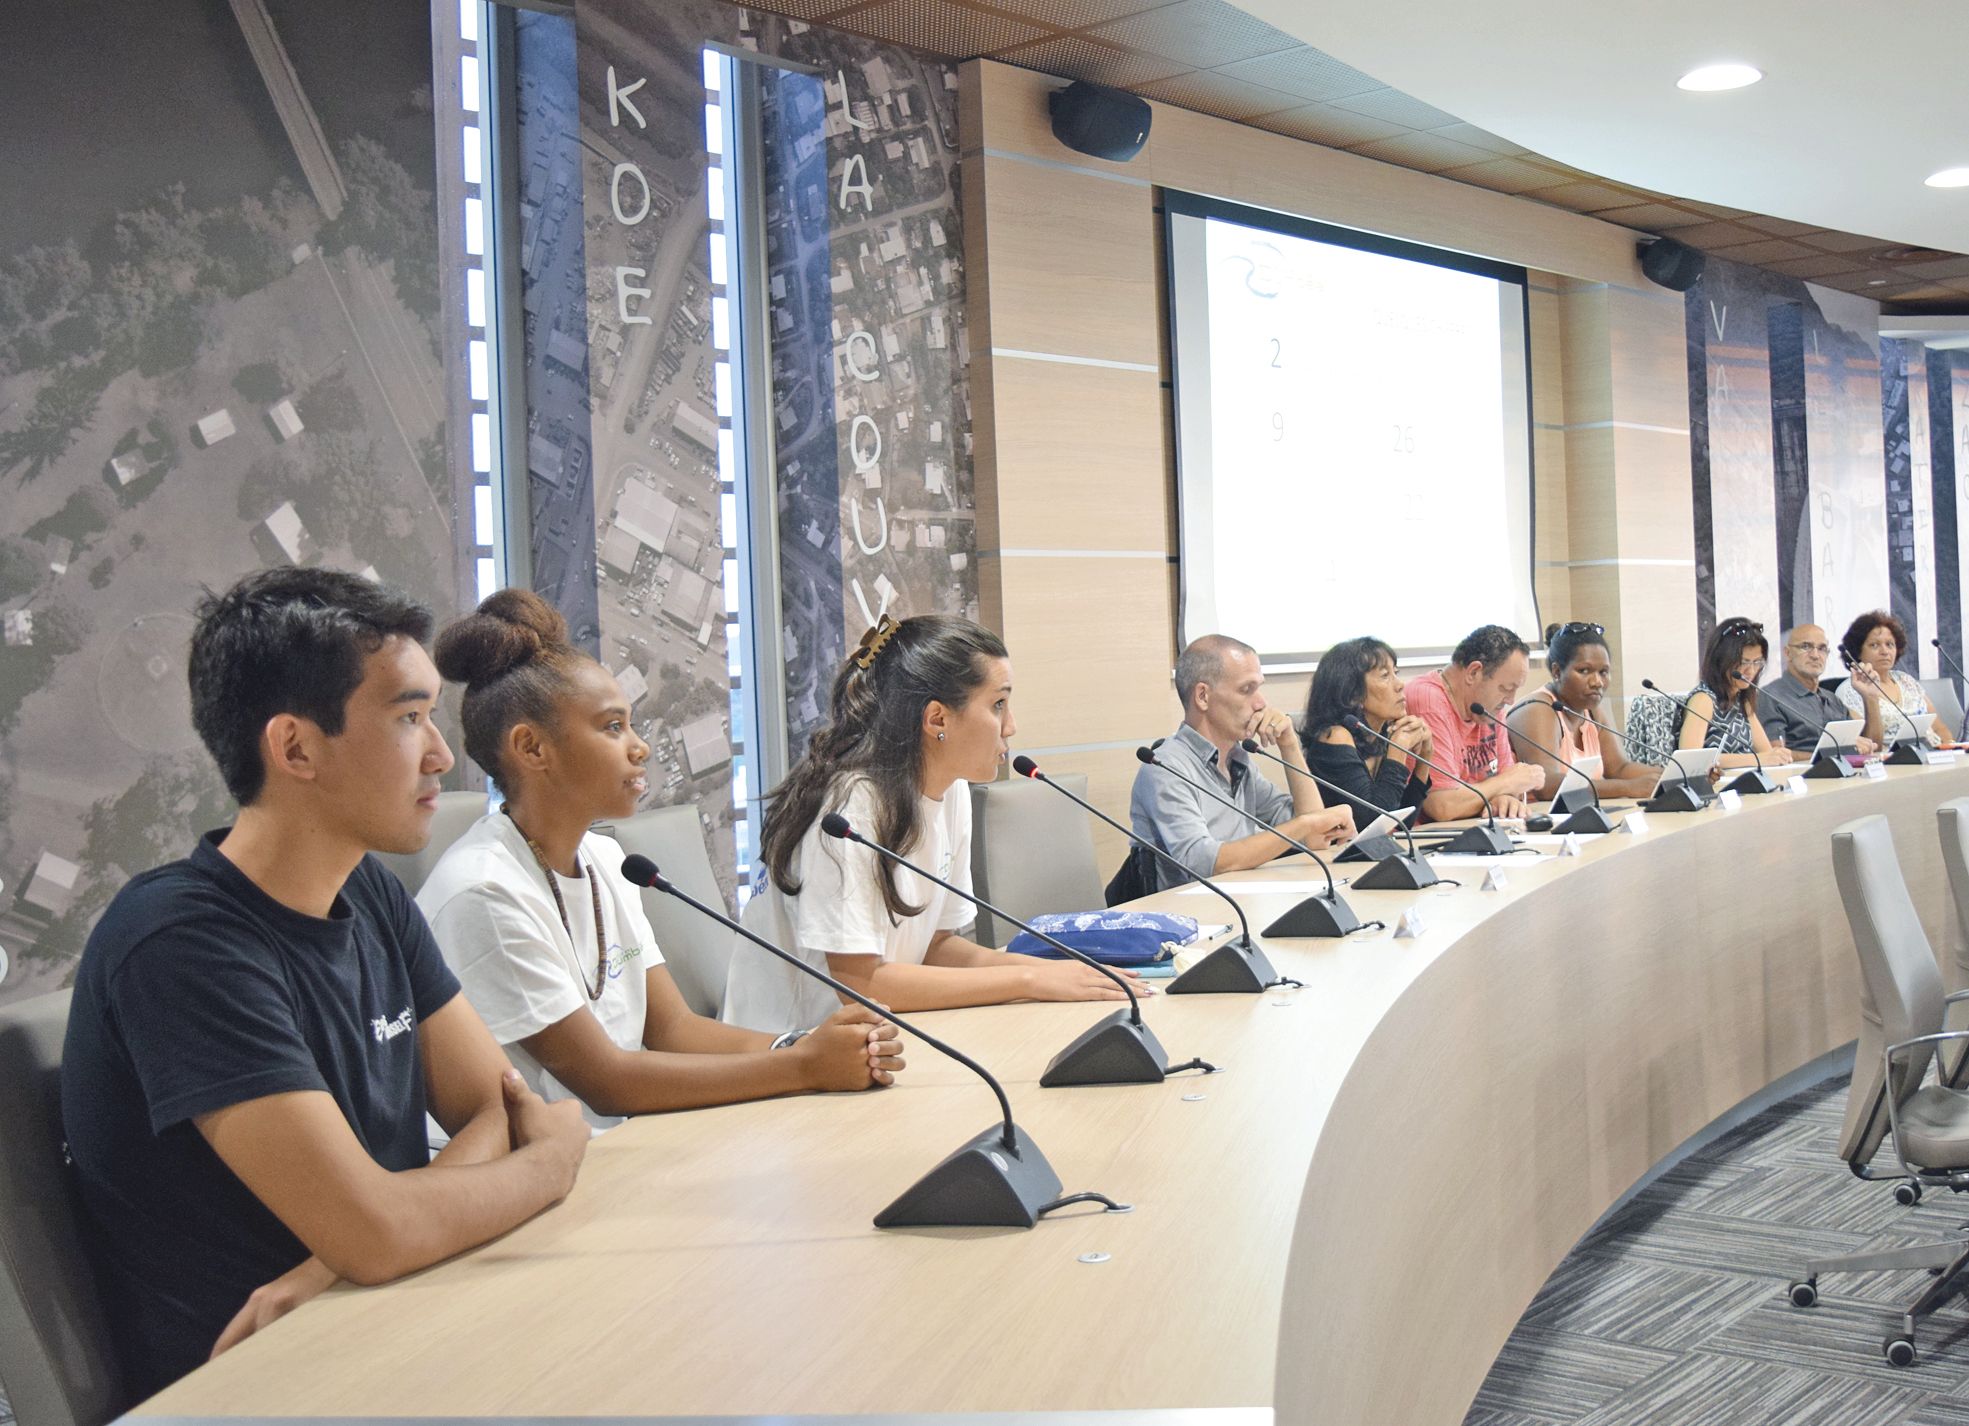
{"x": 874, "y": 641}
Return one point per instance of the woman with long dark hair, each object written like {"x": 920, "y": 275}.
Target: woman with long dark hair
{"x": 1561, "y": 716}
{"x": 551, "y": 944}
{"x": 1356, "y": 678}
{"x": 921, "y": 709}
{"x": 1723, "y": 707}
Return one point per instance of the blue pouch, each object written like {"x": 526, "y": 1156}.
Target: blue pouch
{"x": 1116, "y": 938}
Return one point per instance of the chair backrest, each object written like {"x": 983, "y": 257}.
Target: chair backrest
{"x": 55, "y": 1356}
{"x": 697, "y": 950}
{"x": 1953, "y": 817}
{"x": 1942, "y": 699}
{"x": 456, "y": 812}
{"x": 1652, "y": 721}
{"x": 1901, "y": 993}
{"x": 1032, "y": 852}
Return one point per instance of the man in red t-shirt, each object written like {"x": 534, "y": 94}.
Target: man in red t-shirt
{"x": 1488, "y": 667}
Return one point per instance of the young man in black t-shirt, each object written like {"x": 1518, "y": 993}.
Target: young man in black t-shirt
{"x": 258, "y": 1030}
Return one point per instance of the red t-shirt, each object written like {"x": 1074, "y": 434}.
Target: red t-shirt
{"x": 1474, "y": 750}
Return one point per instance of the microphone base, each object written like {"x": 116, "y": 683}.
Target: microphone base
{"x": 1753, "y": 782}
{"x": 1397, "y": 873}
{"x": 1574, "y": 799}
{"x": 1908, "y": 755}
{"x": 1590, "y": 819}
{"x": 1316, "y": 916}
{"x": 1677, "y": 796}
{"x": 1830, "y": 765}
{"x": 1482, "y": 840}
{"x": 1113, "y": 1051}
{"x": 1231, "y": 969}
{"x": 1370, "y": 849}
{"x": 981, "y": 1185}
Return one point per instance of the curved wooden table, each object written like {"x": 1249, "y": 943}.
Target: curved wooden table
{"x": 1345, "y": 1225}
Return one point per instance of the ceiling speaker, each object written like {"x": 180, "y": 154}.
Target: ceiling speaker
{"x": 1093, "y": 119}
{"x": 1670, "y": 264}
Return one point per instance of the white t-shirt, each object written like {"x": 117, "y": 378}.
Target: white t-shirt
{"x": 495, "y": 920}
{"x": 839, "y": 911}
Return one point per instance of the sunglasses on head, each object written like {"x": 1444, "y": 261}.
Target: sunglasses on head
{"x": 1580, "y": 626}
{"x": 1740, "y": 626}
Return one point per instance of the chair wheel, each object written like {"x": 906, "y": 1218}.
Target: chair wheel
{"x": 1907, "y": 1194}
{"x": 1900, "y": 1351}
{"x": 1805, "y": 1294}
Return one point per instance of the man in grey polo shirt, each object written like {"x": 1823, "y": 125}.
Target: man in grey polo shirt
{"x": 1219, "y": 681}
{"x": 1793, "y": 707}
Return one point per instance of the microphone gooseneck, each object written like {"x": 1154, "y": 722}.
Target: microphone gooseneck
{"x": 1354, "y": 724}
{"x": 837, "y": 826}
{"x": 1251, "y": 745}
{"x": 639, "y": 870}
{"x": 1027, "y": 768}
{"x": 1484, "y": 715}
{"x": 1147, "y": 757}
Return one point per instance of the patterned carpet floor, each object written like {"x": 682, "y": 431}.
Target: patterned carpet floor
{"x": 1673, "y": 1310}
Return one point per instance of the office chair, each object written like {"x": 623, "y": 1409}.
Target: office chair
{"x": 697, "y": 950}
{"x": 1902, "y": 1007}
{"x": 1032, "y": 852}
{"x": 456, "y": 812}
{"x": 55, "y": 1353}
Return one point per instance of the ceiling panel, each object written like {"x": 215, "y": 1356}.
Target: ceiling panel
{"x": 1078, "y": 57}
{"x": 1303, "y": 71}
{"x": 1324, "y": 124}
{"x": 1397, "y": 108}
{"x": 1205, "y": 33}
{"x": 1422, "y": 151}
{"x": 1208, "y": 92}
{"x": 1215, "y": 58}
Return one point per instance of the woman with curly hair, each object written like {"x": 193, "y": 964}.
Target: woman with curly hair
{"x": 1872, "y": 646}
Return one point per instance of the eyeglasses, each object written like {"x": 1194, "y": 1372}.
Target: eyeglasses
{"x": 1754, "y": 665}
{"x": 1813, "y": 648}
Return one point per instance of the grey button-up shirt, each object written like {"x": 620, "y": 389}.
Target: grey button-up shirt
{"x": 1189, "y": 825}
{"x": 1792, "y": 716}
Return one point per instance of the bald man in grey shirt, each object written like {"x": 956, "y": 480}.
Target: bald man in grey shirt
{"x": 1795, "y": 706}
{"x": 1219, "y": 681}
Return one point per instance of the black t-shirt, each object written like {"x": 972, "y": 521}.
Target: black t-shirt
{"x": 198, "y": 991}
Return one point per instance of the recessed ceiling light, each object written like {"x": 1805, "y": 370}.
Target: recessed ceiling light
{"x": 1712, "y": 77}
{"x": 1949, "y": 178}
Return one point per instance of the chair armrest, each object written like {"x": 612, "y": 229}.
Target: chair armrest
{"x": 1956, "y": 997}
{"x": 1887, "y": 1083}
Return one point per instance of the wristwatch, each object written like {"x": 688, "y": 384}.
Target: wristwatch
{"x": 789, "y": 1039}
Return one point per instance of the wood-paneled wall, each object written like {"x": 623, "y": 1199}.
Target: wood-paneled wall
{"x": 1074, "y": 459}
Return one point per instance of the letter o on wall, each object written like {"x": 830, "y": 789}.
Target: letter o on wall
{"x": 867, "y": 462}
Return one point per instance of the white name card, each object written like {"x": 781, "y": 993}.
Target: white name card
{"x": 1410, "y": 925}
{"x": 1635, "y": 824}
{"x": 1729, "y": 799}
{"x": 1876, "y": 770}
{"x": 1794, "y": 786}
{"x": 1495, "y": 880}
{"x": 1570, "y": 846}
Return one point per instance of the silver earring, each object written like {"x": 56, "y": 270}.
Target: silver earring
{"x": 940, "y": 737}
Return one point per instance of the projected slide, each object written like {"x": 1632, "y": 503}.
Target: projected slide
{"x": 1353, "y": 441}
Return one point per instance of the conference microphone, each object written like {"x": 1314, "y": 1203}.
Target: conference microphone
{"x": 1587, "y": 819}
{"x": 1121, "y": 1049}
{"x": 1756, "y": 781}
{"x": 1676, "y": 796}
{"x": 1237, "y": 967}
{"x": 999, "y": 1179}
{"x": 1393, "y": 870}
{"x": 1318, "y": 915}
{"x": 1487, "y": 839}
{"x": 1908, "y": 752}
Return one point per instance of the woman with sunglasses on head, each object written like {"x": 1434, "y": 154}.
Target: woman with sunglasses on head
{"x": 920, "y": 710}
{"x": 1872, "y": 646}
{"x": 1560, "y": 715}
{"x": 551, "y": 944}
{"x": 1356, "y": 678}
{"x": 1724, "y": 704}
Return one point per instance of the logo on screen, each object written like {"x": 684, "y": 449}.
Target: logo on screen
{"x": 1261, "y": 277}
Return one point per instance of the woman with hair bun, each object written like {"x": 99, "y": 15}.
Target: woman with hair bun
{"x": 533, "y": 915}
{"x": 918, "y": 711}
